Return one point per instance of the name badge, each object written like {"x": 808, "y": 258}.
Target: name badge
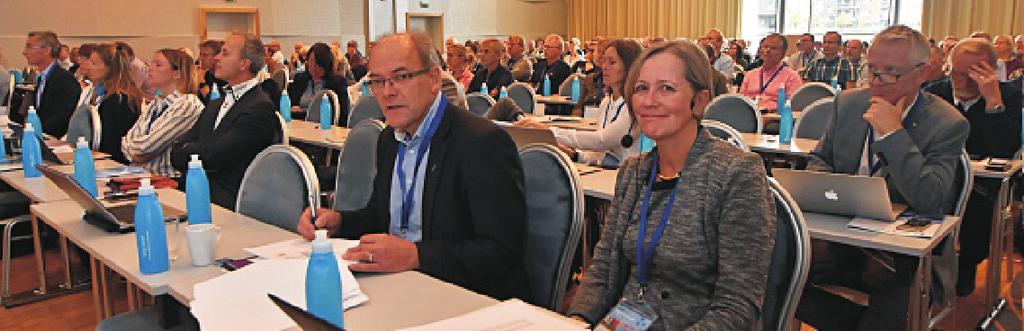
{"x": 628, "y": 315}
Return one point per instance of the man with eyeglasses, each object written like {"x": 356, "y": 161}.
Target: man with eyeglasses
{"x": 517, "y": 61}
{"x": 56, "y": 89}
{"x": 448, "y": 197}
{"x": 993, "y": 109}
{"x": 806, "y": 54}
{"x": 914, "y": 140}
{"x": 551, "y": 66}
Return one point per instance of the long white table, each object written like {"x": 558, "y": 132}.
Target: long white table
{"x": 310, "y": 133}
{"x": 770, "y": 144}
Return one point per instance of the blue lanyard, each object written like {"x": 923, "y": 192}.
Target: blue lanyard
{"x": 160, "y": 106}
{"x": 617, "y": 112}
{"x": 644, "y": 256}
{"x": 873, "y": 167}
{"x": 425, "y": 140}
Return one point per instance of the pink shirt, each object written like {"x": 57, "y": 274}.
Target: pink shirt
{"x": 754, "y": 83}
{"x": 464, "y": 78}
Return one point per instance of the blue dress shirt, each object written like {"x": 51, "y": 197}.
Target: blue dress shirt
{"x": 415, "y": 231}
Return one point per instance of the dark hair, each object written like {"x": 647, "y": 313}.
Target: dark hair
{"x": 809, "y": 35}
{"x": 835, "y": 33}
{"x": 85, "y": 50}
{"x": 125, "y": 48}
{"x": 785, "y": 42}
{"x": 324, "y": 58}
{"x": 628, "y": 50}
{"x": 212, "y": 44}
{"x": 118, "y": 79}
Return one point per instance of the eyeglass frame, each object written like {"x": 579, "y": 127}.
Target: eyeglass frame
{"x": 877, "y": 76}
{"x": 395, "y": 79}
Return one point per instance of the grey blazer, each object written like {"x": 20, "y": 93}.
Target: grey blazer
{"x": 919, "y": 162}
{"x": 710, "y": 269}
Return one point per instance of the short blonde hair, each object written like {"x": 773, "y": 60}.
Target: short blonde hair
{"x": 919, "y": 51}
{"x": 978, "y": 46}
{"x": 697, "y": 69}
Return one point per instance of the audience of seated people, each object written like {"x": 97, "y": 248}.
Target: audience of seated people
{"x": 831, "y": 67}
{"x": 319, "y": 75}
{"x": 117, "y": 97}
{"x": 56, "y": 89}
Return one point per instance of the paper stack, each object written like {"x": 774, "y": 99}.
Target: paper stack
{"x": 510, "y": 315}
{"x": 238, "y": 300}
{"x": 297, "y": 248}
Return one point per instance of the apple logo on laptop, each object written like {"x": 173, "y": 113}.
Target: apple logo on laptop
{"x": 831, "y": 195}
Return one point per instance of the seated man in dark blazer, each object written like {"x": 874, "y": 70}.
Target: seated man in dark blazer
{"x": 448, "y": 196}
{"x": 233, "y": 129}
{"x": 994, "y": 111}
{"x": 552, "y": 65}
{"x": 57, "y": 90}
{"x": 492, "y": 72}
{"x": 911, "y": 138}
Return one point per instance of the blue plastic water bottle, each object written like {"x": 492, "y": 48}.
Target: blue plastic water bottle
{"x": 85, "y": 169}
{"x": 33, "y": 118}
{"x": 150, "y": 231}
{"x": 364, "y": 89}
{"x": 197, "y": 193}
{"x": 785, "y": 124}
{"x": 646, "y": 144}
{"x": 323, "y": 282}
{"x": 31, "y": 156}
{"x": 286, "y": 107}
{"x": 503, "y": 93}
{"x": 781, "y": 100}
{"x": 575, "y": 89}
{"x": 3, "y": 147}
{"x": 484, "y": 90}
{"x": 18, "y": 77}
{"x": 214, "y": 93}
{"x": 835, "y": 84}
{"x": 325, "y": 113}
{"x": 547, "y": 85}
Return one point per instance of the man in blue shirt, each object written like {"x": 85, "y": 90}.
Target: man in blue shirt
{"x": 448, "y": 196}
{"x": 56, "y": 89}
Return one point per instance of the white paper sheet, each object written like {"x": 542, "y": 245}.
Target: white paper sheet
{"x": 297, "y": 248}
{"x": 893, "y": 228}
{"x": 511, "y": 315}
{"x": 238, "y": 300}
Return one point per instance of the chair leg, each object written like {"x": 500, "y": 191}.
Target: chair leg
{"x": 97, "y": 297}
{"x": 8, "y": 232}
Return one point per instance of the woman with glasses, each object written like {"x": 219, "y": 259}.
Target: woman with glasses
{"x": 173, "y": 112}
{"x": 689, "y": 236}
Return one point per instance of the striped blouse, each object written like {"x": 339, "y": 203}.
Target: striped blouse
{"x": 148, "y": 142}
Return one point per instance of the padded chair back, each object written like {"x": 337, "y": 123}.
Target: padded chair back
{"x": 7, "y": 92}
{"x": 282, "y": 133}
{"x": 812, "y": 122}
{"x": 313, "y": 113}
{"x": 554, "y": 206}
{"x": 725, "y": 132}
{"x": 479, "y": 103}
{"x": 81, "y": 125}
{"x": 737, "y": 111}
{"x": 366, "y": 107}
{"x": 278, "y": 185}
{"x": 281, "y": 77}
{"x": 524, "y": 97}
{"x": 809, "y": 93}
{"x": 357, "y": 165}
{"x": 565, "y": 89}
{"x": 791, "y": 260}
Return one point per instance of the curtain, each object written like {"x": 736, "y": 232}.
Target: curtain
{"x": 653, "y": 18}
{"x": 961, "y": 17}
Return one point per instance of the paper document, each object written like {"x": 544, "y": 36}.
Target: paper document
{"x": 238, "y": 300}
{"x": 297, "y": 248}
{"x": 511, "y": 315}
{"x": 899, "y": 227}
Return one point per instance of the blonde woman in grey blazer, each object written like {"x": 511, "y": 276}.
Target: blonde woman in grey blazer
{"x": 709, "y": 268}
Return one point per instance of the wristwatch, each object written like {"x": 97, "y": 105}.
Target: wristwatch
{"x": 995, "y": 110}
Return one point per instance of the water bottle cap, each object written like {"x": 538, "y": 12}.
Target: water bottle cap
{"x": 325, "y": 96}
{"x": 284, "y": 93}
{"x": 81, "y": 143}
{"x": 31, "y": 109}
{"x": 145, "y": 187}
{"x": 28, "y": 127}
{"x": 157, "y": 92}
{"x": 196, "y": 162}
{"x": 320, "y": 243}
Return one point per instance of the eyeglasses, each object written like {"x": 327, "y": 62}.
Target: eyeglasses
{"x": 378, "y": 83}
{"x": 29, "y": 46}
{"x": 891, "y": 76}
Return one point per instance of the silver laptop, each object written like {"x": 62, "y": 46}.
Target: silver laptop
{"x": 840, "y": 194}
{"x": 114, "y": 219}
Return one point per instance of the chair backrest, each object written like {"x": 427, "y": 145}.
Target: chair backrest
{"x": 479, "y": 103}
{"x": 7, "y": 91}
{"x": 812, "y": 122}
{"x": 554, "y": 206}
{"x": 565, "y": 89}
{"x": 313, "y": 113}
{"x": 737, "y": 111}
{"x": 965, "y": 179}
{"x": 80, "y": 125}
{"x": 725, "y": 132}
{"x": 282, "y": 134}
{"x": 278, "y": 185}
{"x": 281, "y": 77}
{"x": 524, "y": 97}
{"x": 809, "y": 93}
{"x": 366, "y": 107}
{"x": 357, "y": 166}
{"x": 791, "y": 261}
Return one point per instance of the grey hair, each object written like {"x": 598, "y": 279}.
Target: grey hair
{"x": 49, "y": 39}
{"x": 423, "y": 48}
{"x": 252, "y": 50}
{"x": 561, "y": 42}
{"x": 919, "y": 51}
{"x": 978, "y": 46}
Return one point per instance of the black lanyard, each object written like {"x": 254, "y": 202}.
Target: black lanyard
{"x": 644, "y": 256}
{"x": 425, "y": 140}
{"x": 614, "y": 117}
{"x": 764, "y": 85}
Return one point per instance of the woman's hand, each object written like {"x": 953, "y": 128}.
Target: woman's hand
{"x": 528, "y": 123}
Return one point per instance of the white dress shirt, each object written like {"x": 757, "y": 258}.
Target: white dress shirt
{"x": 232, "y": 94}
{"x": 604, "y": 145}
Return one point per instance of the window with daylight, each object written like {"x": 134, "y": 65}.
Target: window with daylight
{"x": 849, "y": 17}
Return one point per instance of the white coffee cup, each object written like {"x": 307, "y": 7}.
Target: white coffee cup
{"x": 202, "y": 242}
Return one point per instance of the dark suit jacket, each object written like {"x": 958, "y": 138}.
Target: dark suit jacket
{"x": 992, "y": 135}
{"x": 558, "y": 72}
{"x": 209, "y": 80}
{"x": 273, "y": 92}
{"x": 474, "y": 208}
{"x": 56, "y": 104}
{"x": 501, "y": 77}
{"x": 246, "y": 129}
{"x": 919, "y": 160}
{"x": 117, "y": 116}
{"x": 335, "y": 83}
